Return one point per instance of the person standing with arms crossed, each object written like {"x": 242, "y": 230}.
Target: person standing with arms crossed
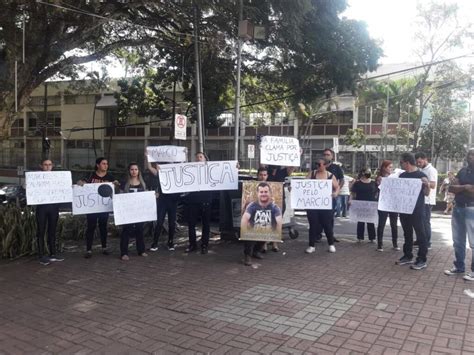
{"x": 47, "y": 217}
{"x": 98, "y": 176}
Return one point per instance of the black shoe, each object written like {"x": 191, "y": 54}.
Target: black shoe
{"x": 204, "y": 250}
{"x": 257, "y": 255}
{"x": 404, "y": 260}
{"x": 191, "y": 249}
{"x": 54, "y": 258}
{"x": 336, "y": 240}
{"x": 44, "y": 260}
{"x": 105, "y": 251}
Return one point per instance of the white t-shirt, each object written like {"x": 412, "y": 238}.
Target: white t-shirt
{"x": 432, "y": 174}
{"x": 345, "y": 188}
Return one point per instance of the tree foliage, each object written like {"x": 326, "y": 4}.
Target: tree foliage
{"x": 309, "y": 49}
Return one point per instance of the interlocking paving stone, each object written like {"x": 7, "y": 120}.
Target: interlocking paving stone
{"x": 319, "y": 313}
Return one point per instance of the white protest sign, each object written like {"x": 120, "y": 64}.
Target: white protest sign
{"x": 283, "y": 151}
{"x": 166, "y": 154}
{"x": 311, "y": 194}
{"x": 86, "y": 199}
{"x": 45, "y": 187}
{"x": 399, "y": 195}
{"x": 134, "y": 207}
{"x": 199, "y": 176}
{"x": 180, "y": 127}
{"x": 364, "y": 211}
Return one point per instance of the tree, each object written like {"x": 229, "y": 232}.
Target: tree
{"x": 439, "y": 35}
{"x": 309, "y": 49}
{"x": 447, "y": 134}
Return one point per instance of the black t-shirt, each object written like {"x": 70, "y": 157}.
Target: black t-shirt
{"x": 93, "y": 178}
{"x": 465, "y": 177}
{"x": 263, "y": 218}
{"x": 132, "y": 188}
{"x": 365, "y": 191}
{"x": 420, "y": 202}
{"x": 277, "y": 175}
{"x": 336, "y": 170}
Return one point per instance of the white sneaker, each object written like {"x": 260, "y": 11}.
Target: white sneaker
{"x": 154, "y": 249}
{"x": 469, "y": 277}
{"x": 310, "y": 250}
{"x": 332, "y": 249}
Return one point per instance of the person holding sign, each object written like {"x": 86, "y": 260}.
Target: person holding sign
{"x": 199, "y": 205}
{"x": 320, "y": 220}
{"x": 364, "y": 189}
{"x": 385, "y": 170}
{"x": 134, "y": 183}
{"x": 414, "y": 221}
{"x": 47, "y": 217}
{"x": 99, "y": 175}
{"x": 166, "y": 204}
{"x": 462, "y": 222}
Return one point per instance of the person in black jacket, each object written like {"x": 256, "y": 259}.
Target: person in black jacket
{"x": 47, "y": 216}
{"x": 199, "y": 206}
{"x": 99, "y": 175}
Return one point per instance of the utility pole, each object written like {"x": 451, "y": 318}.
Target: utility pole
{"x": 44, "y": 138}
{"x": 237, "y": 91}
{"x": 197, "y": 83}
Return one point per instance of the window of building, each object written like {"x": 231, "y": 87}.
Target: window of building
{"x": 52, "y": 125}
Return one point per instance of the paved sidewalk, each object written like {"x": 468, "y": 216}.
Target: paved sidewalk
{"x": 354, "y": 301}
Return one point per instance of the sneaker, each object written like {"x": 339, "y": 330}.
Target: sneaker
{"x": 54, "y": 258}
{"x": 359, "y": 240}
{"x": 453, "y": 271}
{"x": 191, "y": 249}
{"x": 418, "y": 265}
{"x": 310, "y": 250}
{"x": 171, "y": 248}
{"x": 372, "y": 241}
{"x": 248, "y": 260}
{"x": 380, "y": 249}
{"x": 88, "y": 254}
{"x": 44, "y": 260}
{"x": 257, "y": 255}
{"x": 143, "y": 254}
{"x": 397, "y": 248}
{"x": 332, "y": 249}
{"x": 154, "y": 248}
{"x": 275, "y": 249}
{"x": 469, "y": 276}
{"x": 404, "y": 260}
{"x": 125, "y": 258}
{"x": 204, "y": 250}
{"x": 105, "y": 251}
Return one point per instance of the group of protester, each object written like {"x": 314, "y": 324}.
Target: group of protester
{"x": 459, "y": 189}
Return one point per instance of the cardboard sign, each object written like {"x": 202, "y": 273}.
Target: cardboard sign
{"x": 134, "y": 207}
{"x": 262, "y": 208}
{"x": 364, "y": 211}
{"x": 46, "y": 187}
{"x": 199, "y": 176}
{"x": 311, "y": 194}
{"x": 282, "y": 151}
{"x": 166, "y": 154}
{"x": 399, "y": 195}
{"x": 86, "y": 199}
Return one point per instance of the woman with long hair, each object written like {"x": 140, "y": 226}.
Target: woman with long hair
{"x": 133, "y": 183}
{"x": 320, "y": 220}
{"x": 385, "y": 170}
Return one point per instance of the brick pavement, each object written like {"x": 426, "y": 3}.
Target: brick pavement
{"x": 354, "y": 301}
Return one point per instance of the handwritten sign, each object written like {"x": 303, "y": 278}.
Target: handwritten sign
{"x": 86, "y": 199}
{"x": 311, "y": 194}
{"x": 46, "y": 187}
{"x": 166, "y": 154}
{"x": 283, "y": 151}
{"x": 199, "y": 176}
{"x": 399, "y": 195}
{"x": 364, "y": 211}
{"x": 262, "y": 218}
{"x": 134, "y": 207}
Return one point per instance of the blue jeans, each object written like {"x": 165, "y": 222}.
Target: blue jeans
{"x": 427, "y": 223}
{"x": 341, "y": 205}
{"x": 462, "y": 224}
